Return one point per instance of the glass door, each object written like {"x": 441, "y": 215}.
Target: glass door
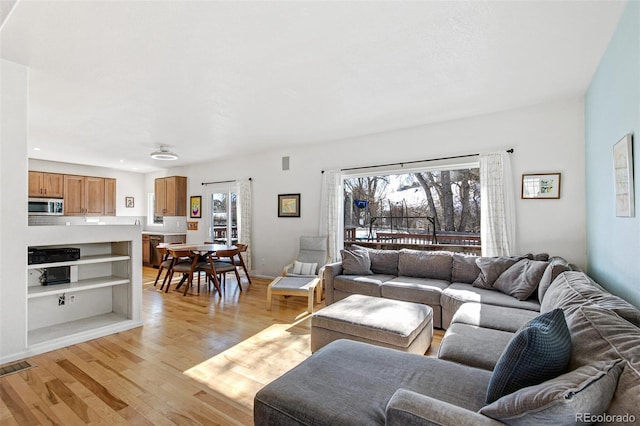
{"x": 224, "y": 217}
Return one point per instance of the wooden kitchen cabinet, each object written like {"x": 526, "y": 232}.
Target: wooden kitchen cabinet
{"x": 74, "y": 195}
{"x": 42, "y": 184}
{"x": 109, "y": 197}
{"x": 94, "y": 190}
{"x": 146, "y": 250}
{"x": 171, "y": 196}
{"x": 84, "y": 195}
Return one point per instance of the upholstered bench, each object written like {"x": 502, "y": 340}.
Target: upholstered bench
{"x": 405, "y": 326}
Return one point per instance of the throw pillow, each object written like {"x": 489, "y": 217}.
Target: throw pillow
{"x": 539, "y": 351}
{"x": 491, "y": 268}
{"x": 355, "y": 262}
{"x": 465, "y": 269}
{"x": 301, "y": 268}
{"x": 382, "y": 261}
{"x": 435, "y": 265}
{"x": 521, "y": 279}
{"x": 585, "y": 390}
{"x": 557, "y": 265}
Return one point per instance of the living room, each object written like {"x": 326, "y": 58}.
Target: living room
{"x": 572, "y": 134}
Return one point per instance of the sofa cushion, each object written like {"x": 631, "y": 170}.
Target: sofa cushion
{"x": 573, "y": 289}
{"x": 491, "y": 268}
{"x": 540, "y": 351}
{"x": 425, "y": 264}
{"x": 584, "y": 391}
{"x": 600, "y": 334}
{"x": 419, "y": 290}
{"x": 464, "y": 269}
{"x": 468, "y": 293}
{"x": 521, "y": 279}
{"x": 557, "y": 265}
{"x": 349, "y": 383}
{"x": 356, "y": 262}
{"x": 457, "y": 294}
{"x": 369, "y": 285}
{"x": 474, "y": 346}
{"x": 495, "y": 317}
{"x": 382, "y": 261}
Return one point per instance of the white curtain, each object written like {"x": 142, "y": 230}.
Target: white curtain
{"x": 330, "y": 212}
{"x": 244, "y": 217}
{"x": 497, "y": 223}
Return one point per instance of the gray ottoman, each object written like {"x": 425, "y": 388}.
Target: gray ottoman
{"x": 390, "y": 323}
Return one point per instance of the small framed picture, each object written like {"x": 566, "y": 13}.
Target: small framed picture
{"x": 289, "y": 205}
{"x": 195, "y": 204}
{"x": 128, "y": 202}
{"x": 623, "y": 176}
{"x": 541, "y": 186}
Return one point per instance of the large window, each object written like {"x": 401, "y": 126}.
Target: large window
{"x": 434, "y": 203}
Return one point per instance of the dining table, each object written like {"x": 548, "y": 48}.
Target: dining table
{"x": 197, "y": 250}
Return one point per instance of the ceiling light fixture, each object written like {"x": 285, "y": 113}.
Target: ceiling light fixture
{"x": 164, "y": 154}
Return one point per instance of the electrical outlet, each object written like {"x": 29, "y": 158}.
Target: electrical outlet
{"x": 61, "y": 300}
{"x": 72, "y": 298}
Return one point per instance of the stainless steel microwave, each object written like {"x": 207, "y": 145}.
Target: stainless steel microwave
{"x": 46, "y": 206}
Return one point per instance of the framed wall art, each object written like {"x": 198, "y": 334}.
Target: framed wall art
{"x": 195, "y": 207}
{"x": 623, "y": 176}
{"x": 541, "y": 186}
{"x": 289, "y": 205}
{"x": 128, "y": 202}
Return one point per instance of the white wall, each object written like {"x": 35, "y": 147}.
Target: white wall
{"x": 128, "y": 184}
{"x": 546, "y": 138}
{"x": 13, "y": 220}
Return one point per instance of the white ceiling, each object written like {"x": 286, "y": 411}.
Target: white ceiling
{"x": 111, "y": 81}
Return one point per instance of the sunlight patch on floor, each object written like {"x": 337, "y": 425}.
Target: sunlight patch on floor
{"x": 241, "y": 371}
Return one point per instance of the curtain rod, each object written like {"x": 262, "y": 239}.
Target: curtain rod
{"x": 510, "y": 151}
{"x": 220, "y": 181}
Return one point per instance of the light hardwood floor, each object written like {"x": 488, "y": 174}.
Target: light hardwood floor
{"x": 198, "y": 360}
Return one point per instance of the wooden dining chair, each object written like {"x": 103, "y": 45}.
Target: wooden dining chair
{"x": 180, "y": 264}
{"x": 226, "y": 262}
{"x": 239, "y": 259}
{"x": 165, "y": 264}
{"x": 206, "y": 265}
{"x": 242, "y": 248}
{"x": 199, "y": 263}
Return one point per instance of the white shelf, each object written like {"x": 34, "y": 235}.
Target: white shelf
{"x": 66, "y": 330}
{"x": 82, "y": 285}
{"x": 85, "y": 260}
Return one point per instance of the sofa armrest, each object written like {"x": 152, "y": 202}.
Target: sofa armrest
{"x": 331, "y": 270}
{"x": 408, "y": 408}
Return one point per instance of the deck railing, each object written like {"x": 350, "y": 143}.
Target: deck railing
{"x": 460, "y": 243}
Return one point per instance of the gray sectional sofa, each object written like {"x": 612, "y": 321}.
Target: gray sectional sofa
{"x": 442, "y": 280}
{"x": 352, "y": 383}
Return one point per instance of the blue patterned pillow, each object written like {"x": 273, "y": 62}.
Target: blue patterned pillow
{"x": 539, "y": 351}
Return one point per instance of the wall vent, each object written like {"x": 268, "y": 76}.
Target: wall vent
{"x": 285, "y": 163}
{"x": 15, "y": 368}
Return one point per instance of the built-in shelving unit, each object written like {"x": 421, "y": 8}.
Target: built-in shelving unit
{"x": 104, "y": 295}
